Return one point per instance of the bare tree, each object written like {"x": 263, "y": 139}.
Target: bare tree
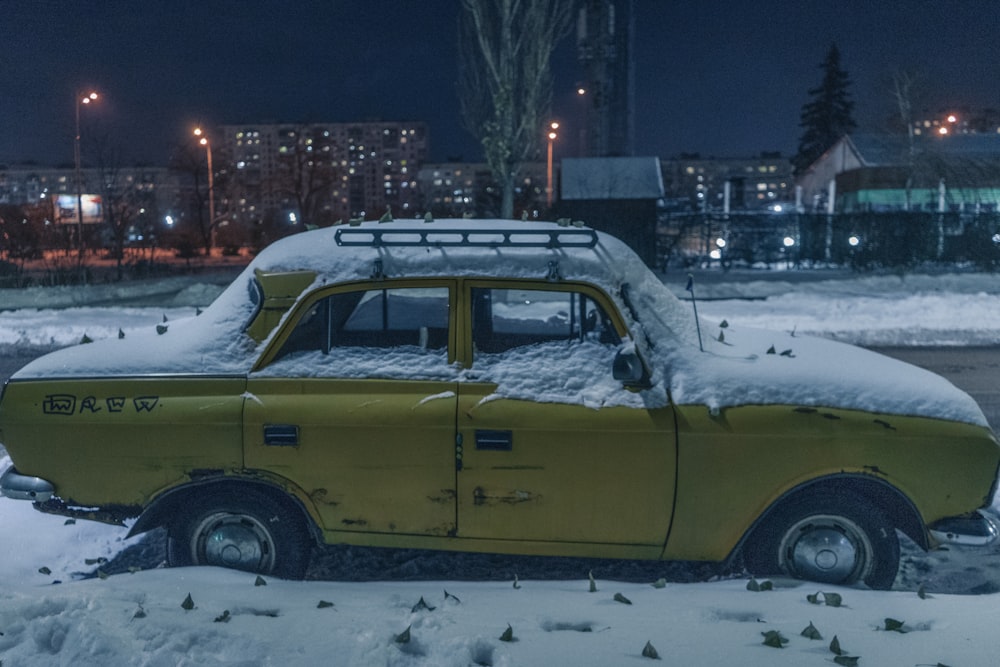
{"x": 307, "y": 173}
{"x": 903, "y": 83}
{"x": 505, "y": 80}
{"x": 190, "y": 160}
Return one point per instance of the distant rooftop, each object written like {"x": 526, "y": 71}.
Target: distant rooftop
{"x": 612, "y": 178}
{"x": 885, "y": 149}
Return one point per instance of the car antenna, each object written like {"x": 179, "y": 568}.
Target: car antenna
{"x": 690, "y": 288}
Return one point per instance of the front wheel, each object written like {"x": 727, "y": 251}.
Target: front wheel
{"x": 242, "y": 530}
{"x": 828, "y": 538}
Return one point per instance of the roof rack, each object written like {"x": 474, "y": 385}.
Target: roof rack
{"x": 487, "y": 238}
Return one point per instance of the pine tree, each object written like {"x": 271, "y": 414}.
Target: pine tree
{"x": 826, "y": 117}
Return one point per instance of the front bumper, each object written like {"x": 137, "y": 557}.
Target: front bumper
{"x": 973, "y": 529}
{"x": 23, "y": 487}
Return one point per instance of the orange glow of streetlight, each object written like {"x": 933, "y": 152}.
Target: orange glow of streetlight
{"x": 553, "y": 126}
{"x": 952, "y": 118}
{"x": 211, "y": 186}
{"x": 942, "y": 131}
{"x": 81, "y": 98}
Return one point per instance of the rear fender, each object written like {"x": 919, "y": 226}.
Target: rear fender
{"x": 176, "y": 501}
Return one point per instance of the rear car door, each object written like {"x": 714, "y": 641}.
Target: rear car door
{"x": 355, "y": 404}
{"x": 553, "y": 448}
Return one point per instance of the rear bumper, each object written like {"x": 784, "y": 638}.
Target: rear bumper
{"x": 973, "y": 529}
{"x": 24, "y": 487}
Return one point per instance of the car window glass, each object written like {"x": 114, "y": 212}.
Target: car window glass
{"x": 400, "y": 332}
{"x": 508, "y": 318}
{"x": 544, "y": 346}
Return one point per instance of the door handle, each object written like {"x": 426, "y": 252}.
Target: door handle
{"x": 281, "y": 435}
{"x": 496, "y": 441}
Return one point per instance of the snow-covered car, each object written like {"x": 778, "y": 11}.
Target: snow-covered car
{"x": 495, "y": 386}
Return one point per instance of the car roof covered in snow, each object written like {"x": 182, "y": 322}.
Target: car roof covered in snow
{"x": 737, "y": 366}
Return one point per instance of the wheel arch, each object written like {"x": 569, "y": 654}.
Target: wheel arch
{"x": 179, "y": 500}
{"x": 898, "y": 508}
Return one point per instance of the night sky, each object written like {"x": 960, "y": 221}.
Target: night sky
{"x": 718, "y": 78}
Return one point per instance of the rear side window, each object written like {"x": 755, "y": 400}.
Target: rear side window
{"x": 345, "y": 334}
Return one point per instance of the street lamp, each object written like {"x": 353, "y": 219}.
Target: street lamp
{"x": 553, "y": 126}
{"x": 81, "y": 98}
{"x": 211, "y": 187}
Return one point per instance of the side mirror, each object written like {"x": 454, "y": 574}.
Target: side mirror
{"x": 629, "y": 369}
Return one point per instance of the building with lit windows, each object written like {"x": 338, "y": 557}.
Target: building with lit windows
{"x": 455, "y": 189}
{"x": 957, "y": 121}
{"x": 318, "y": 173}
{"x": 694, "y": 183}
{"x": 55, "y": 188}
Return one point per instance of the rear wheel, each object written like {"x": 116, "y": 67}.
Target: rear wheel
{"x": 243, "y": 530}
{"x": 826, "y": 537}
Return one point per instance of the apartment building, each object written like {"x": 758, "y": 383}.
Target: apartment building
{"x": 760, "y": 183}
{"x": 319, "y": 172}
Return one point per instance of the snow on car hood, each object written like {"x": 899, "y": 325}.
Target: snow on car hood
{"x": 736, "y": 370}
{"x": 760, "y": 367}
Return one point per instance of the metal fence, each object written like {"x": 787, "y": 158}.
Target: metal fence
{"x": 863, "y": 241}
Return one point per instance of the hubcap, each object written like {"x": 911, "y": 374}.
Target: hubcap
{"x": 236, "y": 541}
{"x": 828, "y": 549}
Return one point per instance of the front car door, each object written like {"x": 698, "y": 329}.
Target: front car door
{"x": 354, "y": 403}
{"x": 553, "y": 449}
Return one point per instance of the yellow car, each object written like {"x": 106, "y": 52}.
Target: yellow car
{"x": 495, "y": 386}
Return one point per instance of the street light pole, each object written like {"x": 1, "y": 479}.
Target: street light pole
{"x": 211, "y": 187}
{"x": 81, "y": 98}
{"x": 553, "y": 126}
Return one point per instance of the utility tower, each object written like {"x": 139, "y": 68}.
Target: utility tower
{"x": 604, "y": 49}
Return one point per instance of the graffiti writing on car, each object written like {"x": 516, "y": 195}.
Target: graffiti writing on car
{"x": 70, "y": 404}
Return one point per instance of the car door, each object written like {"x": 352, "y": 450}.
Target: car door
{"x": 553, "y": 448}
{"x": 355, "y": 404}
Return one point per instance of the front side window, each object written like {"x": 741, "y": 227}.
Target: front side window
{"x": 385, "y": 332}
{"x": 545, "y": 346}
{"x": 508, "y": 318}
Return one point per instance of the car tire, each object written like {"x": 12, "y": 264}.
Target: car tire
{"x": 826, "y": 537}
{"x": 243, "y": 530}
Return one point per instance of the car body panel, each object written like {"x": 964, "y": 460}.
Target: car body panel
{"x": 372, "y": 455}
{"x": 278, "y": 292}
{"x": 546, "y": 471}
{"x": 118, "y": 441}
{"x": 735, "y": 464}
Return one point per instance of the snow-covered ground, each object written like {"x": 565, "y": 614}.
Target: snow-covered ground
{"x": 138, "y": 619}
